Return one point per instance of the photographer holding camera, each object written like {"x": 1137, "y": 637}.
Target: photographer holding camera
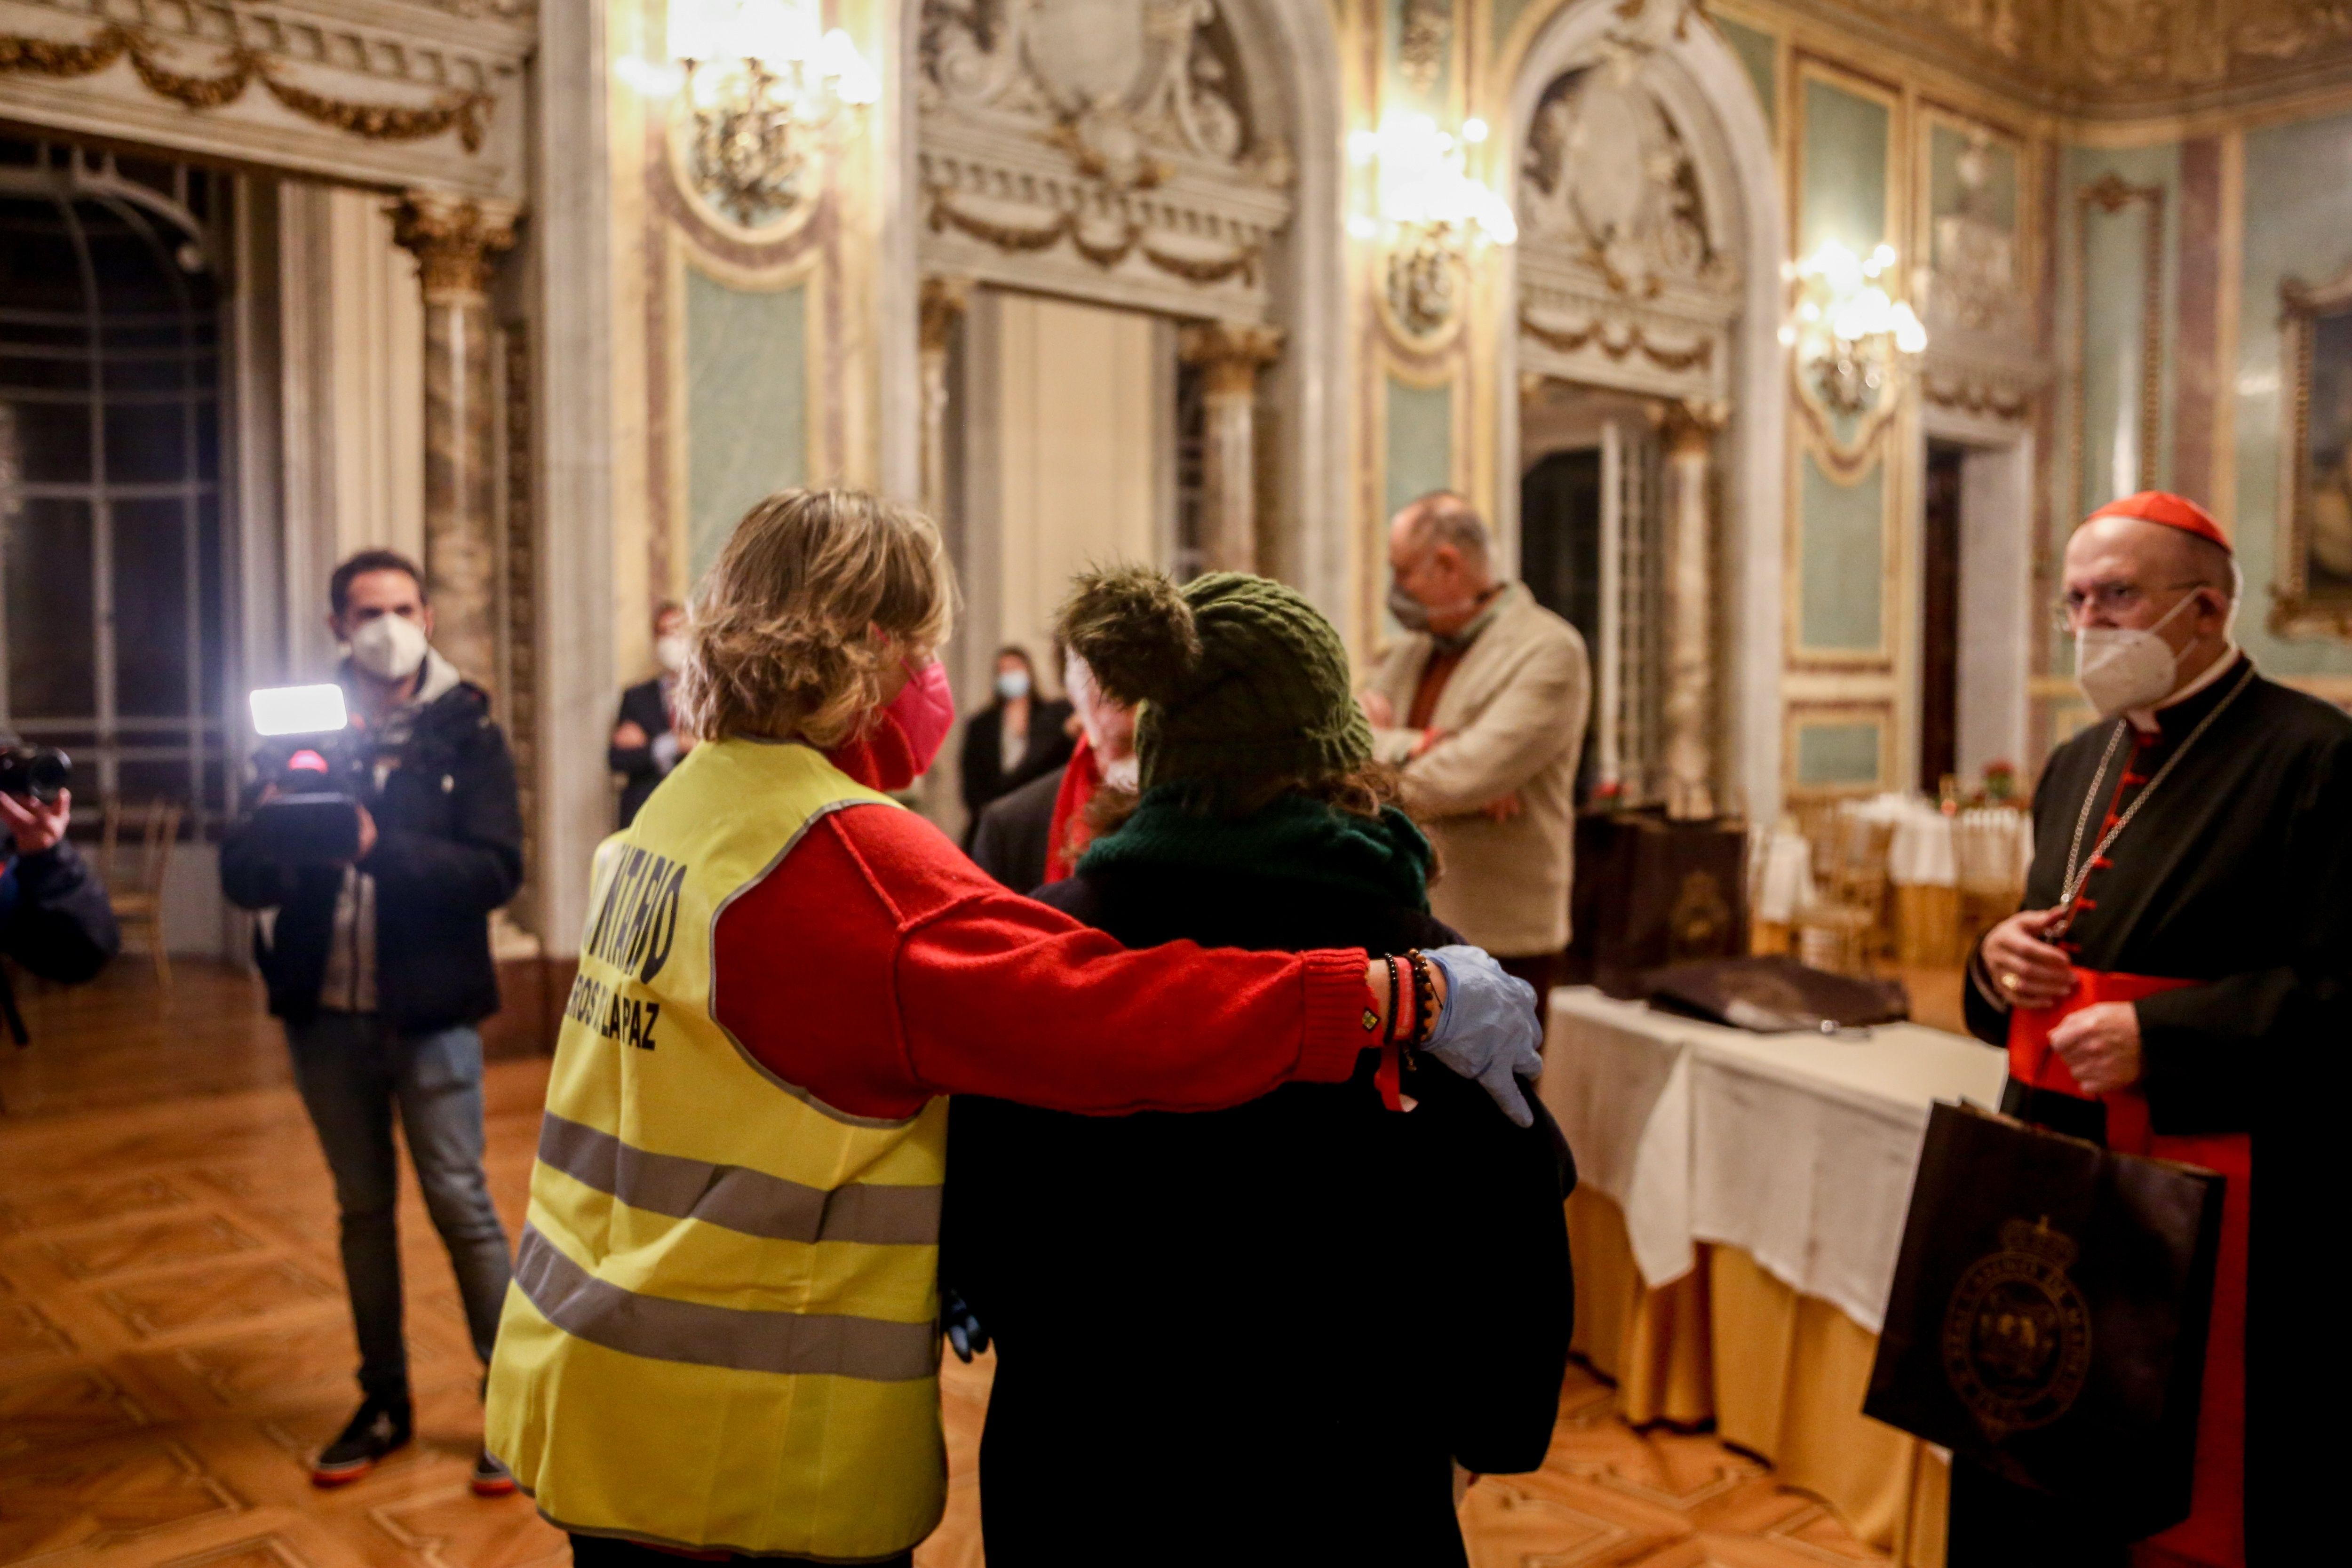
{"x": 378, "y": 961}
{"x": 54, "y": 916}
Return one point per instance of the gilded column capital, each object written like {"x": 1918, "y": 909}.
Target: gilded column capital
{"x": 1689, "y": 425}
{"x": 457, "y": 240}
{"x": 1230, "y": 353}
{"x": 945, "y": 301}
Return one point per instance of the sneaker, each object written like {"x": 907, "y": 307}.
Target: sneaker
{"x": 491, "y": 1479}
{"x": 379, "y": 1426}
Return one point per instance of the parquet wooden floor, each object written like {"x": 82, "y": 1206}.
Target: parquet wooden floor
{"x": 174, "y": 1342}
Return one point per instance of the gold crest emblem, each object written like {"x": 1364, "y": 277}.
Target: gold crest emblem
{"x": 2016, "y": 1337}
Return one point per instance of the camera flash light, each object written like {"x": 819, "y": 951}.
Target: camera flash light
{"x": 297, "y": 710}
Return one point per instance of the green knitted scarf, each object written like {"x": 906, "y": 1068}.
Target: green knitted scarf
{"x": 1293, "y": 838}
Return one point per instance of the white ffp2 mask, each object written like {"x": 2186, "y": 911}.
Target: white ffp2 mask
{"x": 2122, "y": 668}
{"x": 389, "y": 647}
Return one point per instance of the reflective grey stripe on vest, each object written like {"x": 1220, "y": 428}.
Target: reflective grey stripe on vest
{"x": 749, "y": 1201}
{"x": 658, "y": 1329}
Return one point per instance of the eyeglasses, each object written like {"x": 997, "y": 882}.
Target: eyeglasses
{"x": 2110, "y": 600}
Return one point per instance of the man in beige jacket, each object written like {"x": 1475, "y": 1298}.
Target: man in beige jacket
{"x": 1483, "y": 705}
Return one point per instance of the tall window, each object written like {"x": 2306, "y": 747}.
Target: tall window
{"x": 110, "y": 538}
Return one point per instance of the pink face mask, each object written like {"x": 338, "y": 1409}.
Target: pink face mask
{"x": 924, "y": 712}
{"x": 900, "y": 747}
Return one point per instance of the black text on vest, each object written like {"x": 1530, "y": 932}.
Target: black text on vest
{"x": 614, "y": 1016}
{"x": 638, "y": 919}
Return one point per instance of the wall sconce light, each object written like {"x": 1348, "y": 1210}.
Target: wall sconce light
{"x": 1851, "y": 338}
{"x": 761, "y": 80}
{"x": 1428, "y": 211}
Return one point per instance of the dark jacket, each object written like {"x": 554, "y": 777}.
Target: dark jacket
{"x": 981, "y": 769}
{"x": 1266, "y": 1330}
{"x": 1010, "y": 839}
{"x": 54, "y": 919}
{"x": 448, "y": 851}
{"x": 644, "y": 706}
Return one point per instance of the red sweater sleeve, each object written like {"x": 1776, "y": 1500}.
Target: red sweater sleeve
{"x": 873, "y": 967}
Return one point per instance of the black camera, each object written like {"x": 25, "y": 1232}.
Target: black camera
{"x": 312, "y": 769}
{"x": 42, "y": 772}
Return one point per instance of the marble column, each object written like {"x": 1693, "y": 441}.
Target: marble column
{"x": 945, "y": 301}
{"x": 1229, "y": 357}
{"x": 1689, "y": 430}
{"x": 457, "y": 243}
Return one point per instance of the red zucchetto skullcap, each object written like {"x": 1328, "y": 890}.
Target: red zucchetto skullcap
{"x": 2171, "y": 511}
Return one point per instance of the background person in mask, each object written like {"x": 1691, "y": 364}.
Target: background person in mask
{"x": 2177, "y": 985}
{"x": 646, "y": 742}
{"x": 1019, "y": 735}
{"x": 1483, "y": 706}
{"x": 1036, "y": 834}
{"x": 381, "y": 968}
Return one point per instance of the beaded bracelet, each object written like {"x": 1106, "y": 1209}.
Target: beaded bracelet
{"x": 1424, "y": 998}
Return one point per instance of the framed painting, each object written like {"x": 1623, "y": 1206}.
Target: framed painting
{"x": 2314, "y": 593}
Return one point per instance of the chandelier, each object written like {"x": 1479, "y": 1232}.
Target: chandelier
{"x": 762, "y": 83}
{"x": 1851, "y": 338}
{"x": 1429, "y": 212}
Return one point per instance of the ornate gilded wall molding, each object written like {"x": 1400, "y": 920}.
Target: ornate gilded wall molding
{"x": 2313, "y": 592}
{"x": 399, "y": 93}
{"x": 1114, "y": 150}
{"x": 2110, "y": 59}
{"x": 1626, "y": 279}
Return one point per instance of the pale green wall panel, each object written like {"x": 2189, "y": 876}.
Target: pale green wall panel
{"x": 2110, "y": 251}
{"x": 1841, "y": 560}
{"x": 746, "y": 405}
{"x": 1846, "y": 171}
{"x": 1837, "y": 753}
{"x": 2298, "y": 224}
{"x": 1421, "y": 441}
{"x": 1759, "y": 56}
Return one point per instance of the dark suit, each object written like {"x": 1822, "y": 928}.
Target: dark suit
{"x": 1010, "y": 839}
{"x": 985, "y": 776}
{"x": 644, "y": 706}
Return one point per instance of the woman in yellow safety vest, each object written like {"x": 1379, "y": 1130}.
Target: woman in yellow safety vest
{"x": 722, "y": 1336}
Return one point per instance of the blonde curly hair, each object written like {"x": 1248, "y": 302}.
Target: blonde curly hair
{"x": 781, "y": 633}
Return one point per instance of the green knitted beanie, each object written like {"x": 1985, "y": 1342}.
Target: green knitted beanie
{"x": 1235, "y": 679}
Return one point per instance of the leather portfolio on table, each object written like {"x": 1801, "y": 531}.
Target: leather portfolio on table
{"x": 2049, "y": 1314}
{"x": 1773, "y": 994}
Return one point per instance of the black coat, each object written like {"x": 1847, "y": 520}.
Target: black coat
{"x": 1010, "y": 840}
{"x": 981, "y": 763}
{"x": 1264, "y": 1332}
{"x": 448, "y": 851}
{"x": 643, "y": 705}
{"x": 54, "y": 919}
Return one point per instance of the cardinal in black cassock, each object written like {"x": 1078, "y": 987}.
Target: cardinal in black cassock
{"x": 2185, "y": 957}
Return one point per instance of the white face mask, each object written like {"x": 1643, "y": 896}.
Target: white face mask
{"x": 2122, "y": 668}
{"x": 1013, "y": 685}
{"x": 669, "y": 652}
{"x": 389, "y": 647}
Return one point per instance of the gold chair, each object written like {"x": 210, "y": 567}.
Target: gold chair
{"x": 138, "y": 899}
{"x": 1845, "y": 927}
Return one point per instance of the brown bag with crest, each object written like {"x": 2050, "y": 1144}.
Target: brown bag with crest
{"x": 2048, "y": 1317}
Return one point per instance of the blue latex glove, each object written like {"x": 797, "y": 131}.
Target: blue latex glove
{"x": 1487, "y": 1028}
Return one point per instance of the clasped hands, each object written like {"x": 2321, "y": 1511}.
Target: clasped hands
{"x": 2100, "y": 1044}
{"x": 1382, "y": 712}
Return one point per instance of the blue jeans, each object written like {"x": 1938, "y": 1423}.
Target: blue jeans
{"x": 353, "y": 1069}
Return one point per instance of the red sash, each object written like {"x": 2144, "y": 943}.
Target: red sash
{"x": 2214, "y": 1532}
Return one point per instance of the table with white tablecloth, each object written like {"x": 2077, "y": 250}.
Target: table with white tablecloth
{"x": 1741, "y": 1207}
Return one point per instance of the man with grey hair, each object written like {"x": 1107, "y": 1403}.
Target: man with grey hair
{"x": 2177, "y": 984}
{"x": 1483, "y": 704}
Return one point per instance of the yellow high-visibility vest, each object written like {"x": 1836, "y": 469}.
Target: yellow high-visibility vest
{"x": 723, "y": 1327}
